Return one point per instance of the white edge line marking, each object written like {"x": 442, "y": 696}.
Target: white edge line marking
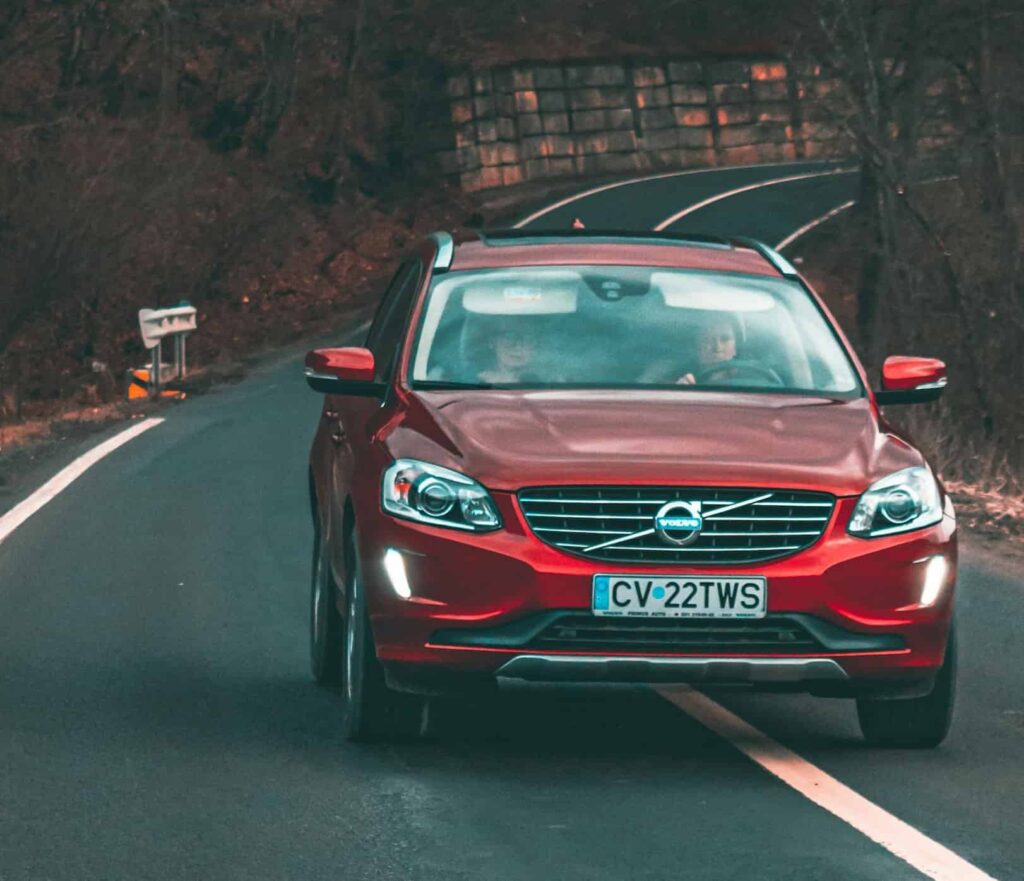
{"x": 896, "y": 836}
{"x": 807, "y": 227}
{"x": 839, "y": 209}
{"x": 639, "y": 180}
{"x": 68, "y": 475}
{"x": 746, "y": 189}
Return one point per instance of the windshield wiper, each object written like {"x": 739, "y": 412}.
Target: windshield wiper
{"x": 442, "y": 384}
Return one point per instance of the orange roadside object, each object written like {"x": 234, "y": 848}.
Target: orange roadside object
{"x": 138, "y": 384}
{"x": 138, "y": 387}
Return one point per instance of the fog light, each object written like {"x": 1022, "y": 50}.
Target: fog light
{"x": 394, "y": 565}
{"x": 934, "y": 579}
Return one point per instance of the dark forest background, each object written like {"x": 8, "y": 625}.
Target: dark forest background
{"x": 254, "y": 158}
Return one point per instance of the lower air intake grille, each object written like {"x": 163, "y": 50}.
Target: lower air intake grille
{"x": 589, "y": 633}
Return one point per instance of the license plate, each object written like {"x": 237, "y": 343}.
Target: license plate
{"x": 687, "y": 596}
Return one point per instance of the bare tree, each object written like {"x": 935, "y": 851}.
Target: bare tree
{"x": 884, "y": 54}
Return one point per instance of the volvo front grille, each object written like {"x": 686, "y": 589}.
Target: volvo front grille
{"x": 618, "y": 523}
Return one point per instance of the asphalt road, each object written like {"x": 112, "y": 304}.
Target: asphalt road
{"x": 157, "y": 719}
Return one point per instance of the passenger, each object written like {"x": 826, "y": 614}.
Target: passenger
{"x": 514, "y": 356}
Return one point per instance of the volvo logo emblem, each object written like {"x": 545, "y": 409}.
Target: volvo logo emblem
{"x": 678, "y": 523}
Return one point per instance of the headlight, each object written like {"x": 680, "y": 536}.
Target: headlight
{"x": 432, "y": 494}
{"x": 906, "y": 500}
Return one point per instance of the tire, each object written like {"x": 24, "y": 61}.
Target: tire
{"x": 372, "y": 711}
{"x": 325, "y": 626}
{"x": 915, "y": 723}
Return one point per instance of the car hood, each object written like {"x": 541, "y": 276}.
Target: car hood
{"x": 512, "y": 439}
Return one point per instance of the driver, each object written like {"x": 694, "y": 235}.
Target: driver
{"x": 716, "y": 345}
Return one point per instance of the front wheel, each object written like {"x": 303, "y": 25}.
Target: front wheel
{"x": 372, "y": 710}
{"x": 914, "y": 723}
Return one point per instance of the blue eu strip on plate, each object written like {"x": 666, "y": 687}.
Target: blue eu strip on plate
{"x": 600, "y": 592}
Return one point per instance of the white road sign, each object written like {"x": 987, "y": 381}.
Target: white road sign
{"x": 155, "y": 324}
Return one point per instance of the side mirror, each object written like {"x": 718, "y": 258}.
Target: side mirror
{"x": 911, "y": 380}
{"x": 346, "y": 371}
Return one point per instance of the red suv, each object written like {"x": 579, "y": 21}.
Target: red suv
{"x": 623, "y": 457}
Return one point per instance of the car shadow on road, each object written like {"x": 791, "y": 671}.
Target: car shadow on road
{"x": 558, "y": 723}
{"x": 159, "y": 702}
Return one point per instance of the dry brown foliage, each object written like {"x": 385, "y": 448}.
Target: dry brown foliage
{"x": 252, "y": 156}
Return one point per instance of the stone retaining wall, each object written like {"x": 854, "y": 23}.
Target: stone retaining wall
{"x": 535, "y": 121}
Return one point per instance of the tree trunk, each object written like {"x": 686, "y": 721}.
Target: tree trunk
{"x": 280, "y": 51}
{"x": 999, "y": 185}
{"x": 872, "y": 278}
{"x": 168, "y": 77}
{"x": 355, "y": 46}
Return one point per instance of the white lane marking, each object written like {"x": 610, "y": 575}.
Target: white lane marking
{"x": 807, "y": 227}
{"x": 66, "y": 476}
{"x": 667, "y": 222}
{"x": 639, "y": 180}
{"x": 839, "y": 209}
{"x": 899, "y": 838}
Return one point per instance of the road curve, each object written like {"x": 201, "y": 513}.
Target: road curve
{"x": 157, "y": 719}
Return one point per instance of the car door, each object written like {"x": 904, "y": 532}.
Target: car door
{"x": 351, "y": 421}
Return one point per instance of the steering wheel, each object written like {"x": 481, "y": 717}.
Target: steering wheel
{"x": 735, "y": 371}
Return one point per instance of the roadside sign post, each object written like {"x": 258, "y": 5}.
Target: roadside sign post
{"x": 179, "y": 357}
{"x": 154, "y": 371}
{"x": 157, "y": 324}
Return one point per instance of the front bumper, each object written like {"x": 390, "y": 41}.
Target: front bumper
{"x": 466, "y": 586}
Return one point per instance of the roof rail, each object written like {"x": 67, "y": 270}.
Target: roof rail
{"x": 446, "y": 244}
{"x": 779, "y": 262}
{"x": 445, "y": 250}
{"x": 769, "y": 254}
{"x": 488, "y": 236}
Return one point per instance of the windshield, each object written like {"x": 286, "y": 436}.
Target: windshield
{"x": 623, "y": 326}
